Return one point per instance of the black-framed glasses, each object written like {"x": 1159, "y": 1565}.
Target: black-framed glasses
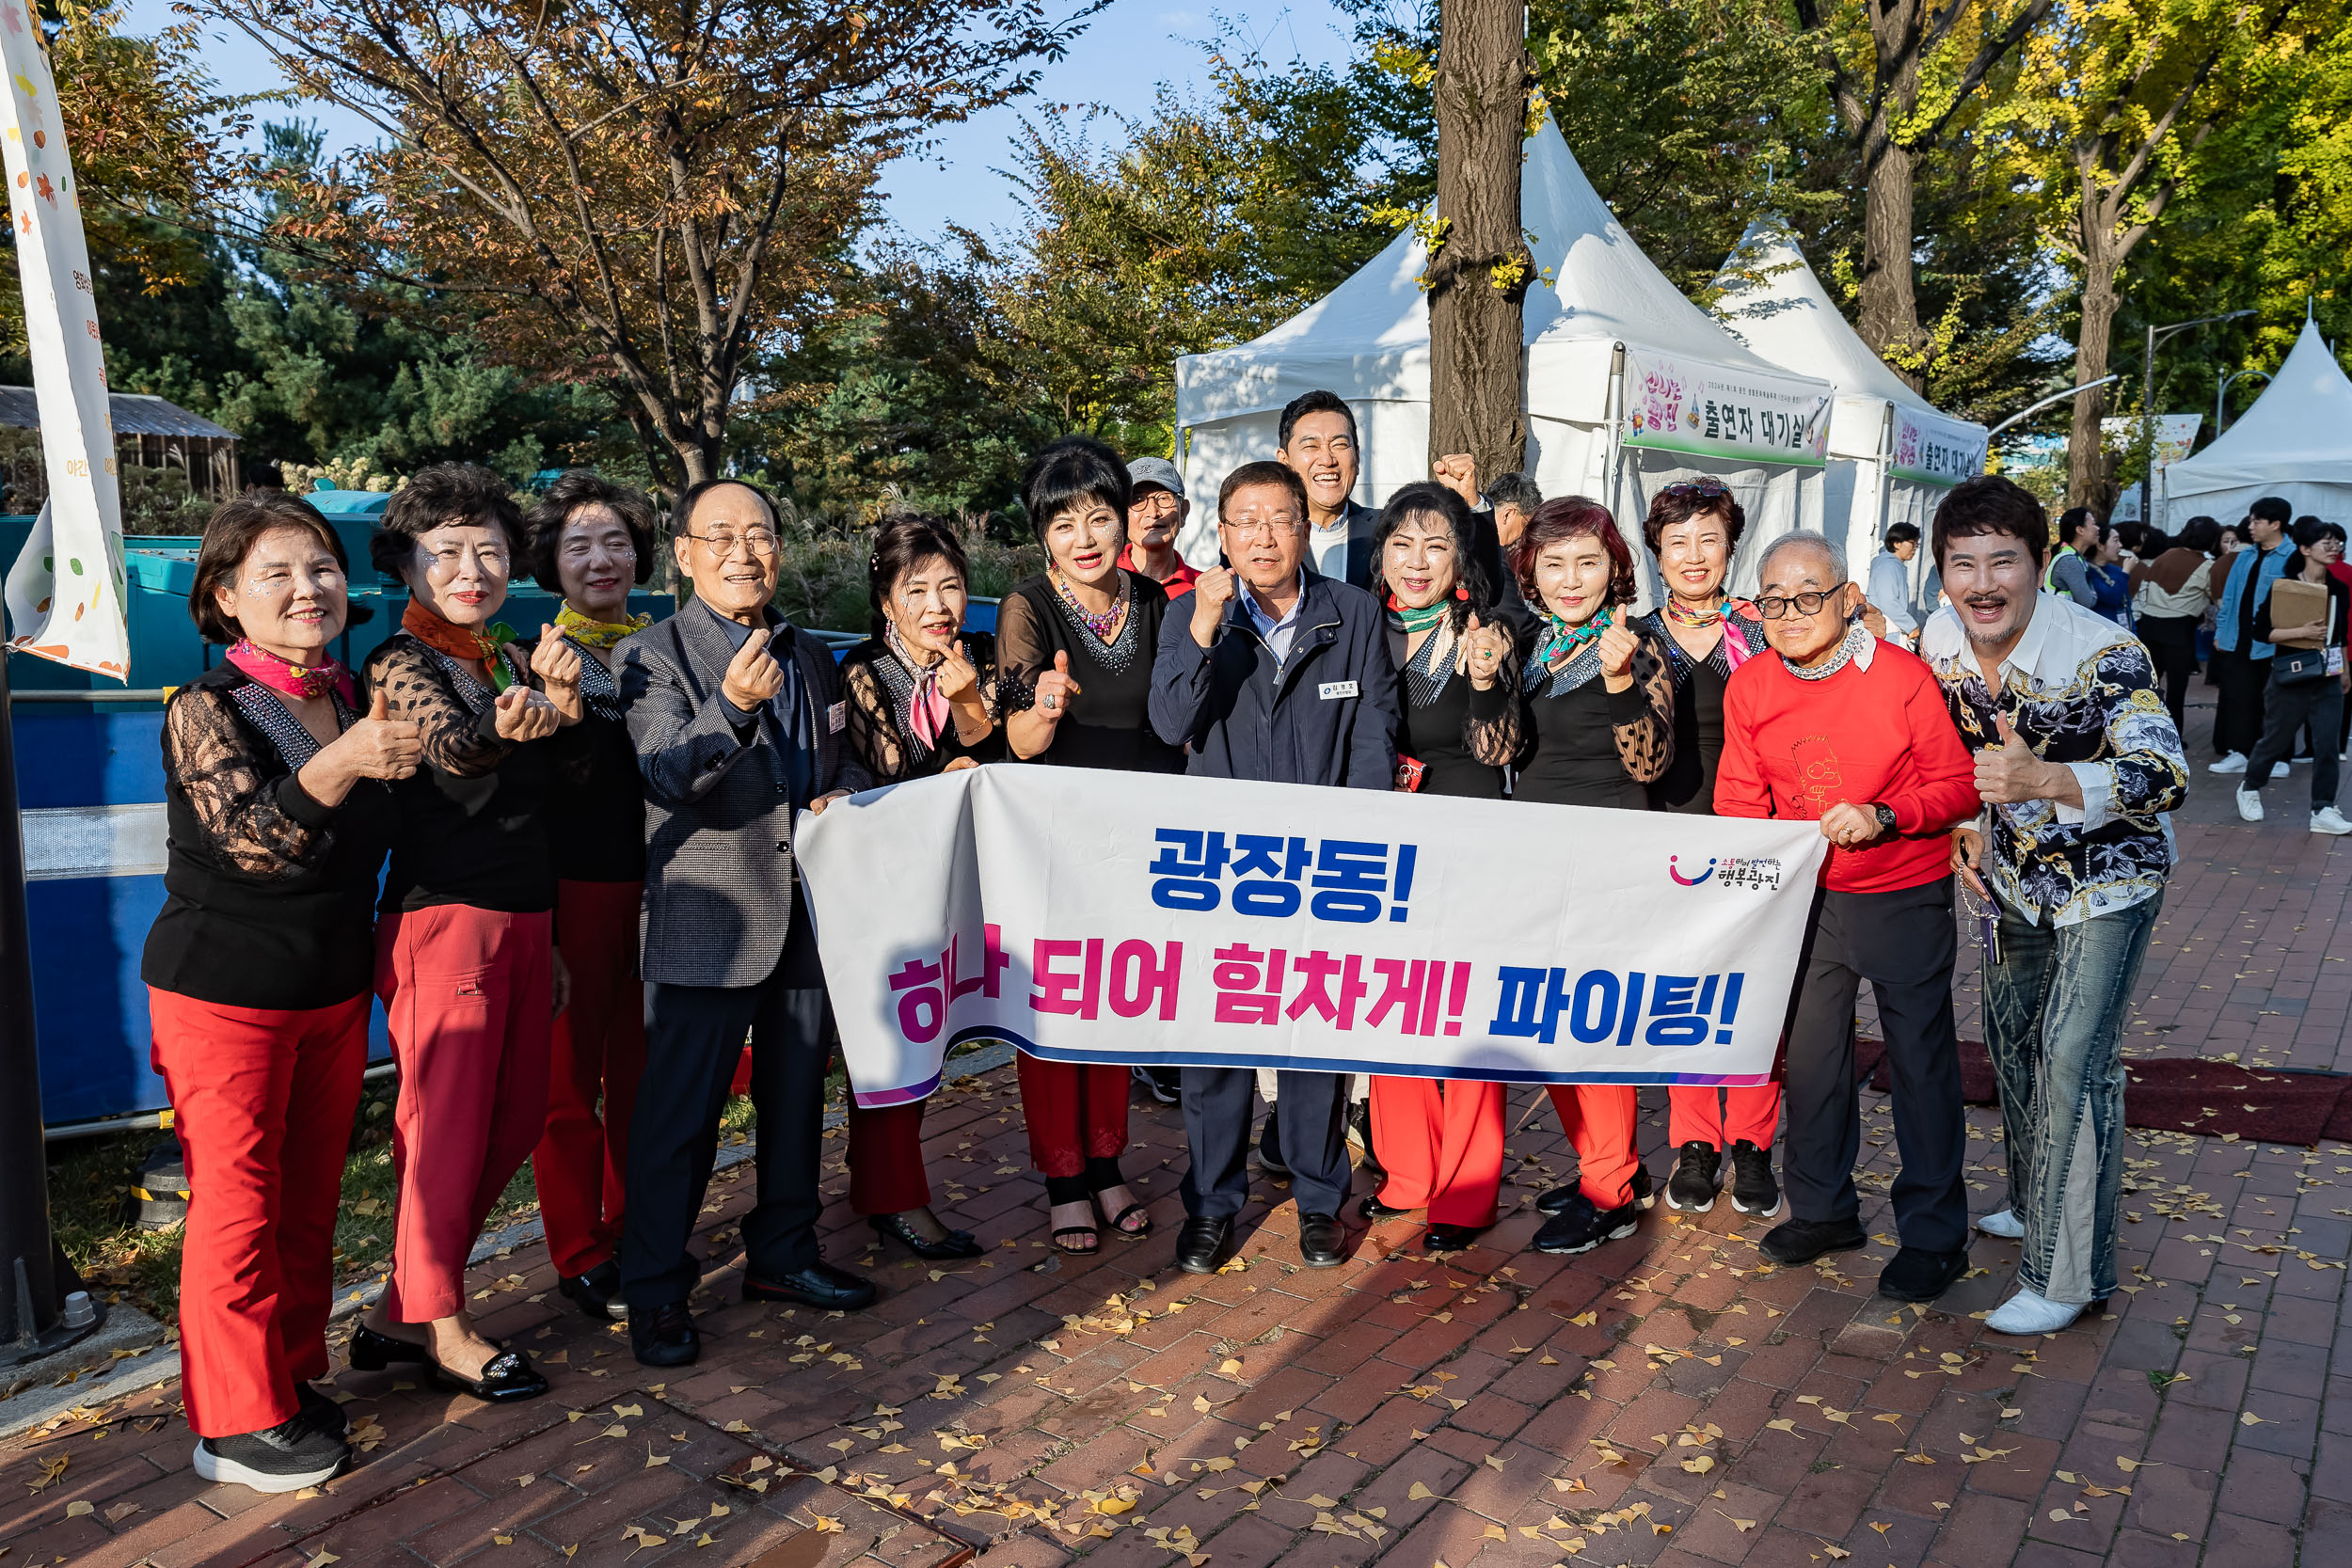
{"x": 1776, "y": 608}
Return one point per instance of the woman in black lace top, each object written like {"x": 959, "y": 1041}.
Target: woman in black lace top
{"x": 465, "y": 959}
{"x": 1441, "y": 1140}
{"x": 258, "y": 972}
{"x": 921, "y": 695}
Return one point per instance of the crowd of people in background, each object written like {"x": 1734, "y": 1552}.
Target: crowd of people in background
{"x": 590, "y": 901}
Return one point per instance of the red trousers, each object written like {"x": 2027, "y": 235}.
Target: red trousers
{"x": 262, "y": 1100}
{"x": 596, "y": 1051}
{"x": 467, "y": 995}
{"x": 886, "y": 1175}
{"x": 1441, "y": 1142}
{"x": 1694, "y": 1115}
{"x": 1599, "y": 1119}
{"x": 1075, "y": 1112}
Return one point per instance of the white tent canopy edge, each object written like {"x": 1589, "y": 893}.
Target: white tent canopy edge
{"x": 2295, "y": 442}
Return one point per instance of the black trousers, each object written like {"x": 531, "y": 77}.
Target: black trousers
{"x": 693, "y": 1039}
{"x": 2171, "y": 642}
{"x": 1310, "y": 1109}
{"x": 2238, "y": 715}
{"x": 2315, "y": 705}
{"x": 1904, "y": 944}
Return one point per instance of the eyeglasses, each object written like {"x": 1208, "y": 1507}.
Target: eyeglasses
{"x": 1775, "y": 608}
{"x": 1269, "y": 527}
{"x": 1714, "y": 489}
{"x": 759, "y": 541}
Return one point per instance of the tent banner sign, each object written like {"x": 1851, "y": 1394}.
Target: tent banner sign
{"x": 1692, "y": 406}
{"x": 1934, "y": 451}
{"x": 1223, "y": 922}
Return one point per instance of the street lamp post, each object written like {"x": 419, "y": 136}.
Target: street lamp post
{"x": 2148, "y": 406}
{"x": 2221, "y": 396}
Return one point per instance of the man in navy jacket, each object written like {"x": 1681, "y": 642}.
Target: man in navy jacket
{"x": 1267, "y": 671}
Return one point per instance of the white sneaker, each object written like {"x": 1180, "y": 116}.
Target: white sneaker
{"x": 2249, "y": 805}
{"x": 2233, "y": 763}
{"x": 2028, "y": 1313}
{"x": 2003, "y": 1223}
{"x": 2326, "y": 819}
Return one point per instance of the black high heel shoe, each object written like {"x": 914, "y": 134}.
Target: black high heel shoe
{"x": 954, "y": 1245}
{"x": 1372, "y": 1207}
{"x": 371, "y": 1352}
{"x": 508, "y": 1375}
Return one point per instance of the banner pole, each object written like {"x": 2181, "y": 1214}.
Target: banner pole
{"x": 29, "y": 1307}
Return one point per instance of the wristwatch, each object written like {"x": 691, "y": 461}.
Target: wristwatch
{"x": 1886, "y": 816}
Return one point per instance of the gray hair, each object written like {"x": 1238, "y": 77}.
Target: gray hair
{"x": 1514, "y": 490}
{"x": 1804, "y": 538}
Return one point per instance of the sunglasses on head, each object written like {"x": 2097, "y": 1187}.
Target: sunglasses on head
{"x": 1714, "y": 489}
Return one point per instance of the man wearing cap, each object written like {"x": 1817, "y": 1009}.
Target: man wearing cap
{"x": 1156, "y": 509}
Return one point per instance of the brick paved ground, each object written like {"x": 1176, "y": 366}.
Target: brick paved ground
{"x": 1667, "y": 1399}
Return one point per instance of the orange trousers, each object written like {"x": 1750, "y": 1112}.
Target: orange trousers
{"x": 1441, "y": 1143}
{"x": 596, "y": 1055}
{"x": 1694, "y": 1114}
{"x": 262, "y": 1100}
{"x": 1599, "y": 1120}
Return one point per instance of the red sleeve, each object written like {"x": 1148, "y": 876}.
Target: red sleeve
{"x": 1740, "y": 789}
{"x": 1941, "y": 788}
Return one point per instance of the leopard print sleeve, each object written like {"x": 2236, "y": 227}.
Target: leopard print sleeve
{"x": 1646, "y": 736}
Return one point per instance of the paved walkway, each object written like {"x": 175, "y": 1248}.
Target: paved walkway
{"x": 1665, "y": 1400}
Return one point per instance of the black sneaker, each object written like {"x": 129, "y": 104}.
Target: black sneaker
{"x": 284, "y": 1458}
{"x": 1753, "y": 1189}
{"x": 1557, "y": 1200}
{"x": 1163, "y": 1081}
{"x": 1794, "y": 1242}
{"x": 1580, "y": 1228}
{"x": 320, "y": 1412}
{"x": 1270, "y": 1146}
{"x": 1691, "y": 1189}
{"x": 1914, "y": 1273}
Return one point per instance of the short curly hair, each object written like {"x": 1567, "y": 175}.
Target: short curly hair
{"x": 1573, "y": 517}
{"x": 1679, "y": 503}
{"x": 230, "y": 536}
{"x": 567, "y": 495}
{"x": 463, "y": 493}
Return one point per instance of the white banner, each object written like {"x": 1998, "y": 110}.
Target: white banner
{"x": 1153, "y": 919}
{"x": 1690, "y": 405}
{"x": 1934, "y": 449}
{"x": 65, "y": 592}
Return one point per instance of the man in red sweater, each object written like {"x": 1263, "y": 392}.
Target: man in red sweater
{"x": 1838, "y": 727}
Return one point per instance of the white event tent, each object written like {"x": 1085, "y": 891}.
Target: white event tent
{"x": 2295, "y": 442}
{"x": 1892, "y": 454}
{"x": 1628, "y": 386}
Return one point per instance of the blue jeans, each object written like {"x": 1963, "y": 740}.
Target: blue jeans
{"x": 2054, "y": 1009}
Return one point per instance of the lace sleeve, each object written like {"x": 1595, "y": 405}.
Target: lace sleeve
{"x": 1646, "y": 740}
{"x": 240, "y": 802}
{"x": 873, "y": 730}
{"x": 981, "y": 649}
{"x": 457, "y": 741}
{"x": 1022, "y": 654}
{"x": 1491, "y": 732}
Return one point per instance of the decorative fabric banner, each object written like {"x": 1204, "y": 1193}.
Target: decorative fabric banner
{"x": 65, "y": 592}
{"x": 1934, "y": 449}
{"x": 1144, "y": 918}
{"x": 1686, "y": 406}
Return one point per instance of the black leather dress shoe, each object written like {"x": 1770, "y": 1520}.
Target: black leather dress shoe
{"x": 955, "y": 1244}
{"x": 506, "y": 1376}
{"x": 819, "y": 1285}
{"x": 598, "y": 1292}
{"x": 665, "y": 1337}
{"x": 1203, "y": 1242}
{"x": 1322, "y": 1241}
{"x": 1450, "y": 1238}
{"x": 1914, "y": 1273}
{"x": 1372, "y": 1207}
{"x": 1795, "y": 1241}
{"x": 371, "y": 1352}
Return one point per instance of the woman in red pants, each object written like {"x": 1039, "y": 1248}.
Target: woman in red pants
{"x": 1441, "y": 1140}
{"x": 921, "y": 695}
{"x": 592, "y": 541}
{"x": 258, "y": 973}
{"x": 1694, "y": 530}
{"x": 1074, "y": 647}
{"x": 464, "y": 959}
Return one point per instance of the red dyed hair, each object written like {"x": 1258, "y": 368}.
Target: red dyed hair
{"x": 1567, "y": 517}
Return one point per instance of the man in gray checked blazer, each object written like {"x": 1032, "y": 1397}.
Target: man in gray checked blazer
{"x": 738, "y": 724}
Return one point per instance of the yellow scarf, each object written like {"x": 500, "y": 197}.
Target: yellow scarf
{"x": 597, "y": 634}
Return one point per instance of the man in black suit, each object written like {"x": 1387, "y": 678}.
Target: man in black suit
{"x": 1319, "y": 444}
{"x": 738, "y": 720}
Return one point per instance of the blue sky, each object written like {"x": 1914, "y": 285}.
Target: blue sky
{"x": 1126, "y": 51}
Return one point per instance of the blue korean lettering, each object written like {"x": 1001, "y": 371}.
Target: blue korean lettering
{"x": 1352, "y": 877}
{"x": 1276, "y": 865}
{"x": 1186, "y": 868}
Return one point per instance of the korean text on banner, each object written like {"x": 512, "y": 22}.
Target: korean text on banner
{"x": 1692, "y": 406}
{"x": 1223, "y": 922}
{"x": 65, "y": 592}
{"x": 1929, "y": 448}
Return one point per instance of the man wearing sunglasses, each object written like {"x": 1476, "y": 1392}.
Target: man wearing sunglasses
{"x": 1837, "y": 727}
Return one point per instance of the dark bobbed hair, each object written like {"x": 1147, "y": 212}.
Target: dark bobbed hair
{"x": 1571, "y": 518}
{"x": 1263, "y": 472}
{"x": 682, "y": 515}
{"x": 903, "y": 542}
{"x": 462, "y": 493}
{"x": 2311, "y": 530}
{"x": 1991, "y": 504}
{"x": 1902, "y": 533}
{"x": 1316, "y": 401}
{"x": 1071, "y": 469}
{"x": 1680, "y": 507}
{"x": 2271, "y": 509}
{"x": 1428, "y": 498}
{"x": 2201, "y": 535}
{"x": 1514, "y": 490}
{"x": 568, "y": 494}
{"x": 230, "y": 535}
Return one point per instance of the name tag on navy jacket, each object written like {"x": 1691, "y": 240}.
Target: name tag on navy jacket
{"x": 837, "y": 717}
{"x": 1329, "y": 690}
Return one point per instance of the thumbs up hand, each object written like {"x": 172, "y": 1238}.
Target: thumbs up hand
{"x": 1055, "y": 689}
{"x": 379, "y": 745}
{"x": 2009, "y": 772}
{"x": 1486, "y": 647}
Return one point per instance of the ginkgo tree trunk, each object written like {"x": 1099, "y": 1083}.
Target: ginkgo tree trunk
{"x": 644, "y": 196}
